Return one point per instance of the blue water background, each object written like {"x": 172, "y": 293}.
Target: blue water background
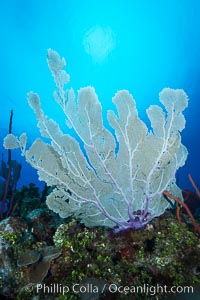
{"x": 142, "y": 46}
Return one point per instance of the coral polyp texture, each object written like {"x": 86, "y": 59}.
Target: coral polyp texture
{"x": 102, "y": 177}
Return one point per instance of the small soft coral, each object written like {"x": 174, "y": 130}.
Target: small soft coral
{"x": 185, "y": 206}
{"x": 192, "y": 199}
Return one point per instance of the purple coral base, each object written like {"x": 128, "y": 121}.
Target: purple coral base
{"x": 138, "y": 222}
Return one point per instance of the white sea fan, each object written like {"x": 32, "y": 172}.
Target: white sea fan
{"x": 110, "y": 181}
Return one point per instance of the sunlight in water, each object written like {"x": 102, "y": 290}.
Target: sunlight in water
{"x": 99, "y": 43}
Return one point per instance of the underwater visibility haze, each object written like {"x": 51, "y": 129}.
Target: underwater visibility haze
{"x": 102, "y": 98}
{"x": 140, "y": 46}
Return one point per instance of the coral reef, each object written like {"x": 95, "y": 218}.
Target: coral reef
{"x": 94, "y": 263}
